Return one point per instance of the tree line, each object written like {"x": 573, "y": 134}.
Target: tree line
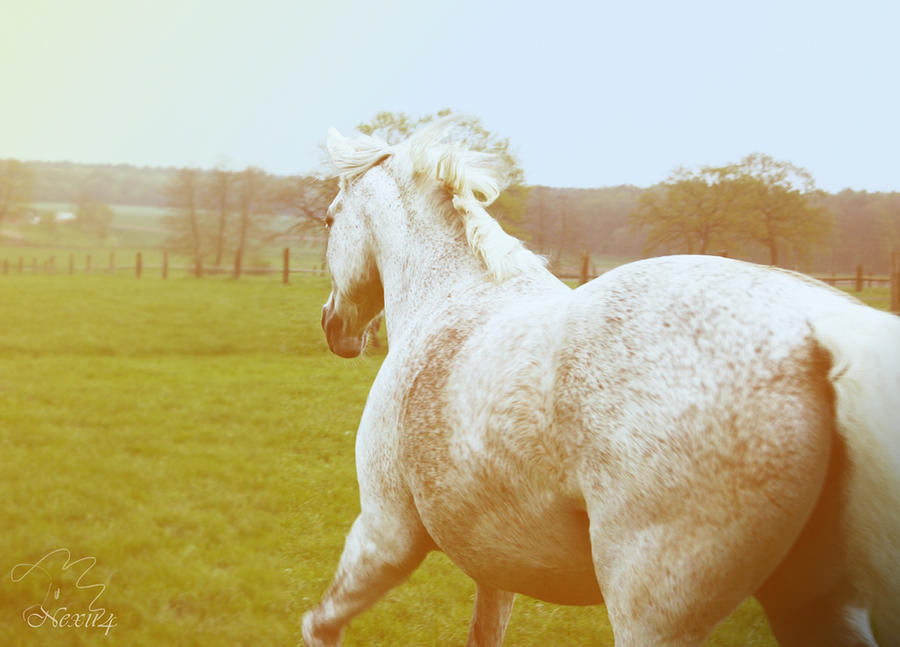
{"x": 843, "y": 230}
{"x": 220, "y": 210}
{"x": 757, "y": 208}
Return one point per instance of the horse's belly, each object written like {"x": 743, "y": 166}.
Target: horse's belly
{"x": 540, "y": 551}
{"x": 560, "y": 585}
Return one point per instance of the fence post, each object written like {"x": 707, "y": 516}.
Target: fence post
{"x": 286, "y": 271}
{"x": 87, "y": 264}
{"x": 138, "y": 265}
{"x": 859, "y": 278}
{"x": 34, "y": 269}
{"x": 20, "y": 264}
{"x": 112, "y": 262}
{"x": 165, "y": 264}
{"x": 585, "y": 267}
{"x": 238, "y": 261}
{"x": 5, "y": 266}
{"x": 895, "y": 282}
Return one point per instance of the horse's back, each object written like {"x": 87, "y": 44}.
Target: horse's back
{"x": 699, "y": 333}
{"x": 703, "y": 291}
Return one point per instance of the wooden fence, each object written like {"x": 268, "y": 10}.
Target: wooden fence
{"x": 48, "y": 265}
{"x": 87, "y": 264}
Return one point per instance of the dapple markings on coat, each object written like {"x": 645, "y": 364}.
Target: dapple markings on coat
{"x": 669, "y": 438}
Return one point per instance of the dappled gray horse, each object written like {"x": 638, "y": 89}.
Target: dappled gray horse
{"x": 670, "y": 438}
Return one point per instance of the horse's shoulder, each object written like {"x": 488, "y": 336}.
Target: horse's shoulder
{"x": 461, "y": 350}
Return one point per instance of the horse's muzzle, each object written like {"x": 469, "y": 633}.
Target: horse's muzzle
{"x": 340, "y": 343}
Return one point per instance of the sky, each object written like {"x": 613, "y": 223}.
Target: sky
{"x": 590, "y": 94}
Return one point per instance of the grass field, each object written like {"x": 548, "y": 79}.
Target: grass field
{"x": 196, "y": 438}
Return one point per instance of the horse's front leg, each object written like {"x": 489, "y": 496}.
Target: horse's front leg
{"x": 490, "y": 617}
{"x": 378, "y": 555}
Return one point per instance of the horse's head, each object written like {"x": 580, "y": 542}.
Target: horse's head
{"x": 357, "y": 295}
{"x": 432, "y": 175}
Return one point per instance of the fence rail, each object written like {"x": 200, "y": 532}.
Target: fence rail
{"x": 859, "y": 280}
{"x": 88, "y": 265}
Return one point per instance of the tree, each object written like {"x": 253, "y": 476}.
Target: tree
{"x": 782, "y": 206}
{"x": 219, "y": 186}
{"x": 305, "y": 198}
{"x": 16, "y": 186}
{"x": 541, "y": 216}
{"x": 888, "y": 218}
{"x": 692, "y": 211}
{"x": 184, "y": 192}
{"x": 509, "y": 209}
{"x": 393, "y": 127}
{"x": 758, "y": 199}
{"x": 251, "y": 198}
{"x": 564, "y": 216}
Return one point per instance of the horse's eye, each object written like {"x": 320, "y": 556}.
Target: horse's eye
{"x": 329, "y": 220}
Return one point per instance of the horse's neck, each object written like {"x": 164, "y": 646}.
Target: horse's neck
{"x": 423, "y": 264}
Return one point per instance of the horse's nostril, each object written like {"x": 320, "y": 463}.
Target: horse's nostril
{"x": 332, "y": 324}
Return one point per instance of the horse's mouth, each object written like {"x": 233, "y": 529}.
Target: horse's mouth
{"x": 346, "y": 347}
{"x": 340, "y": 343}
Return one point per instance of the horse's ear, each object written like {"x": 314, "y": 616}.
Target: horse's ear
{"x": 355, "y": 155}
{"x": 336, "y": 144}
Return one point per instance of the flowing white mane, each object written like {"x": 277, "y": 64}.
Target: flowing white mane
{"x": 460, "y": 182}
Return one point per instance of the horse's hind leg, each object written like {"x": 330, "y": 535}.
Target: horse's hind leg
{"x": 679, "y": 552}
{"x": 808, "y": 599}
{"x": 825, "y": 622}
{"x": 490, "y": 617}
{"x": 650, "y": 595}
{"x": 372, "y": 563}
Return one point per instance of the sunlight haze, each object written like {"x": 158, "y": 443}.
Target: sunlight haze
{"x": 615, "y": 93}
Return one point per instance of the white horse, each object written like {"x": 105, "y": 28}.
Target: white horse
{"x": 670, "y": 438}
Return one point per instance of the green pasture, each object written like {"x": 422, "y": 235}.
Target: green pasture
{"x": 196, "y": 438}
